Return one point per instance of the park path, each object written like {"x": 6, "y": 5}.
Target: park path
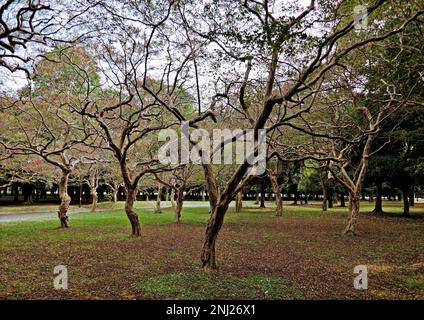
{"x": 9, "y": 217}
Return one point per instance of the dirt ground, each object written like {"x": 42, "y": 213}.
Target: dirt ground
{"x": 315, "y": 260}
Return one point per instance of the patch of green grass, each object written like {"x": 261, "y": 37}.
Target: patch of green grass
{"x": 83, "y": 223}
{"x": 414, "y": 282}
{"x": 201, "y": 285}
{"x": 116, "y": 226}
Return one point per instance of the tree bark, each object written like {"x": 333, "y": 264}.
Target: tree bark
{"x": 214, "y": 225}
{"x": 129, "y": 210}
{"x": 158, "y": 199}
{"x": 378, "y": 198}
{"x": 172, "y": 198}
{"x": 239, "y": 201}
{"x": 405, "y": 193}
{"x": 115, "y": 194}
{"x": 179, "y": 205}
{"x": 65, "y": 199}
{"x": 324, "y": 188}
{"x": 94, "y": 198}
{"x": 354, "y": 203}
{"x": 93, "y": 183}
{"x": 278, "y": 198}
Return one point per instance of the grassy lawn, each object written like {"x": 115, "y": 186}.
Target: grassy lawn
{"x": 301, "y": 255}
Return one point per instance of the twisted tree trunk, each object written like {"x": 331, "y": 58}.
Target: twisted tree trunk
{"x": 65, "y": 199}
{"x": 278, "y": 198}
{"x": 129, "y": 210}
{"x": 354, "y": 202}
{"x": 214, "y": 225}
{"x": 179, "y": 206}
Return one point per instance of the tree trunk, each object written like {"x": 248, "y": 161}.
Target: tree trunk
{"x": 158, "y": 199}
{"x": 324, "y": 187}
{"x": 203, "y": 195}
{"x": 166, "y": 194}
{"x": 179, "y": 206}
{"x": 324, "y": 198}
{"x": 94, "y": 198}
{"x": 115, "y": 194}
{"x": 278, "y": 198}
{"x": 262, "y": 195}
{"x": 214, "y": 225}
{"x": 354, "y": 202}
{"x": 378, "y": 198}
{"x": 129, "y": 210}
{"x": 173, "y": 199}
{"x": 239, "y": 201}
{"x": 65, "y": 199}
{"x": 405, "y": 193}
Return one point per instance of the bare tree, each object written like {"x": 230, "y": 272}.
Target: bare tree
{"x": 289, "y": 97}
{"x": 93, "y": 183}
{"x": 30, "y": 26}
{"x": 179, "y": 182}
